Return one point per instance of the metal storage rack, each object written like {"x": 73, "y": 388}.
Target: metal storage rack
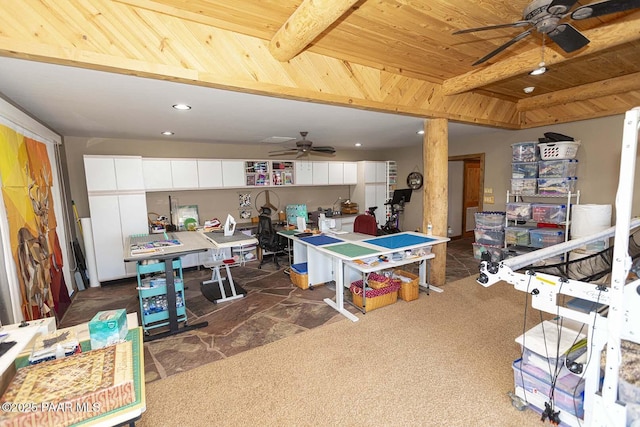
{"x": 569, "y": 197}
{"x": 158, "y": 318}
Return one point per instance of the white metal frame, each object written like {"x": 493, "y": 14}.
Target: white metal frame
{"x": 622, "y": 321}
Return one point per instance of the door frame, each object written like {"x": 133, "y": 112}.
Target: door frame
{"x": 480, "y": 158}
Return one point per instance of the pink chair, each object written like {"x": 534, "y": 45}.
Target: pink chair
{"x": 365, "y": 224}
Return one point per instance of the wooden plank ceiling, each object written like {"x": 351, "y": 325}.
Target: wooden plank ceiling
{"x": 385, "y": 55}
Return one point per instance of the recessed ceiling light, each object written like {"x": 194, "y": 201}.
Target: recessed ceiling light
{"x": 529, "y": 89}
{"x": 167, "y": 133}
{"x": 420, "y": 132}
{"x": 358, "y": 144}
{"x": 182, "y": 107}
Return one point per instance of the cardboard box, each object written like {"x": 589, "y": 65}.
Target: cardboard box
{"x": 108, "y": 327}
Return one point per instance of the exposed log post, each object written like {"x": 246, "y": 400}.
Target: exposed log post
{"x": 305, "y": 24}
{"x": 435, "y": 153}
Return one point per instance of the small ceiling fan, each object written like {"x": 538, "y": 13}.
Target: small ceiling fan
{"x": 304, "y": 147}
{"x": 544, "y": 16}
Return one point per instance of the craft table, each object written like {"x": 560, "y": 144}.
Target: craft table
{"x": 127, "y": 414}
{"x": 191, "y": 242}
{"x": 332, "y": 257}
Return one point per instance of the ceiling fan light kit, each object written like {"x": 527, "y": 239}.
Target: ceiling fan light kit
{"x": 545, "y": 17}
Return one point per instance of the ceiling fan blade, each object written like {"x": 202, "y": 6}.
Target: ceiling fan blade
{"x": 560, "y": 6}
{"x": 604, "y": 8}
{"x": 503, "y": 47}
{"x": 493, "y": 27}
{"x": 283, "y": 152}
{"x": 568, "y": 38}
{"x": 325, "y": 149}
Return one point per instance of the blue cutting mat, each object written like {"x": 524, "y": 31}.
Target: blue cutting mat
{"x": 396, "y": 241}
{"x": 320, "y": 240}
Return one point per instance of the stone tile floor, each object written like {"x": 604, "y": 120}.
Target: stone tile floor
{"x": 272, "y": 309}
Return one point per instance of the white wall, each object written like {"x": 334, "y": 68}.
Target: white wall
{"x": 598, "y": 156}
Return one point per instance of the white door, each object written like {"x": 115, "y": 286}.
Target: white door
{"x": 304, "y": 173}
{"x": 209, "y": 173}
{"x": 184, "y": 174}
{"x": 100, "y": 173}
{"x": 129, "y": 173}
{"x": 336, "y": 173}
{"x": 233, "y": 173}
{"x": 320, "y": 173}
{"x": 350, "y": 173}
{"x": 133, "y": 220}
{"x": 107, "y": 236}
{"x": 157, "y": 174}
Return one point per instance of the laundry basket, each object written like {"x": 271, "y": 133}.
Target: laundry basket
{"x": 560, "y": 150}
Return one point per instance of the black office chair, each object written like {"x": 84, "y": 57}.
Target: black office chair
{"x": 269, "y": 241}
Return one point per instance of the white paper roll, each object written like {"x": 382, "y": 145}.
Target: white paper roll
{"x": 589, "y": 219}
{"x": 89, "y": 252}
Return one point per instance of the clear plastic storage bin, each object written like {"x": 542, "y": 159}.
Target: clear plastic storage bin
{"x": 557, "y": 186}
{"x": 524, "y": 170}
{"x": 568, "y": 394}
{"x": 543, "y": 237}
{"x": 489, "y": 220}
{"x": 549, "y": 213}
{"x": 495, "y": 252}
{"x": 525, "y": 151}
{"x": 489, "y": 237}
{"x": 517, "y": 236}
{"x": 518, "y": 211}
{"x": 524, "y": 186}
{"x": 557, "y": 168}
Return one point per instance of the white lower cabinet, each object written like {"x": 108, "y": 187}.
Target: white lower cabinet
{"x": 113, "y": 218}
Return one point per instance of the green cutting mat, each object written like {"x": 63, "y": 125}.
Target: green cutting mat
{"x": 289, "y": 232}
{"x": 351, "y": 250}
{"x": 133, "y": 335}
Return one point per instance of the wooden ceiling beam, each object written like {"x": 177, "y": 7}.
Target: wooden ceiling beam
{"x": 605, "y": 37}
{"x": 305, "y": 24}
{"x": 581, "y": 93}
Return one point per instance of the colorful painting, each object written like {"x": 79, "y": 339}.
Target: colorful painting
{"x": 26, "y": 191}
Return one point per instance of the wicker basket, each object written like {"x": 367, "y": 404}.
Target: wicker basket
{"x": 377, "y": 281}
{"x": 301, "y": 280}
{"x": 408, "y": 290}
{"x": 375, "y": 298}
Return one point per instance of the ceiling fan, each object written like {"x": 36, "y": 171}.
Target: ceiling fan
{"x": 544, "y": 16}
{"x": 304, "y": 147}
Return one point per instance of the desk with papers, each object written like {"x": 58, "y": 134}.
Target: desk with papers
{"x": 347, "y": 257}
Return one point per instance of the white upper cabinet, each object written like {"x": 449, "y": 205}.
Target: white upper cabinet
{"x": 320, "y": 173}
{"x": 157, "y": 174}
{"x": 100, "y": 173}
{"x": 303, "y": 173}
{"x": 113, "y": 173}
{"x": 184, "y": 174}
{"x": 350, "y": 173}
{"x": 129, "y": 173}
{"x": 375, "y": 172}
{"x": 209, "y": 173}
{"x": 233, "y": 173}
{"x": 336, "y": 173}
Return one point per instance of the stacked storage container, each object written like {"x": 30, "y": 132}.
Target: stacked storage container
{"x": 547, "y": 351}
{"x": 524, "y": 168}
{"x": 489, "y": 234}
